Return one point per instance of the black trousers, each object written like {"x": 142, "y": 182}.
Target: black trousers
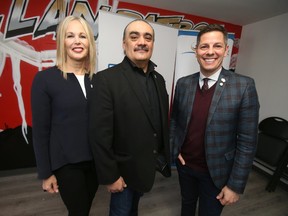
{"x": 77, "y": 186}
{"x": 198, "y": 187}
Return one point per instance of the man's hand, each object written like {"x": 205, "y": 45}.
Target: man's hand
{"x": 117, "y": 186}
{"x": 227, "y": 196}
{"x": 182, "y": 161}
{"x": 50, "y": 184}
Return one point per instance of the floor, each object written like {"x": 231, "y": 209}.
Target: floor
{"x": 21, "y": 195}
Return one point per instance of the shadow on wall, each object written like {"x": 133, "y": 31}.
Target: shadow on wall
{"x": 14, "y": 151}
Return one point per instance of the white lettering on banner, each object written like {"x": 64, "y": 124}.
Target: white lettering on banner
{"x": 18, "y": 26}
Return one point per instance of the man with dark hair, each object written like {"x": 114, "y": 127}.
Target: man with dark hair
{"x": 213, "y": 129}
{"x": 129, "y": 122}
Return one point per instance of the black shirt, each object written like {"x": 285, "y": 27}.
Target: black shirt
{"x": 147, "y": 83}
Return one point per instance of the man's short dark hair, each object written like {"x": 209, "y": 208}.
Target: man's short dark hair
{"x": 210, "y": 28}
{"x": 137, "y": 20}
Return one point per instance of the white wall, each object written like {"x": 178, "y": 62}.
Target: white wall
{"x": 263, "y": 55}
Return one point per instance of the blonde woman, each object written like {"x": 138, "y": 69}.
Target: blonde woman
{"x": 60, "y": 118}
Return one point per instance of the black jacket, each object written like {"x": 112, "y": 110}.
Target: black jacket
{"x": 122, "y": 133}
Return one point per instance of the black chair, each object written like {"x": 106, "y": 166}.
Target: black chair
{"x": 272, "y": 148}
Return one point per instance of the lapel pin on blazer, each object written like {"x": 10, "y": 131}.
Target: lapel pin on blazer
{"x": 222, "y": 81}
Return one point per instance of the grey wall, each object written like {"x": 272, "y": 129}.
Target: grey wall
{"x": 263, "y": 55}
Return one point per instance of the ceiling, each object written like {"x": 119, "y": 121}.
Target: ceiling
{"x": 238, "y": 12}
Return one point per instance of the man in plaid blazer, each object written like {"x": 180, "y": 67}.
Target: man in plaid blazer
{"x": 213, "y": 132}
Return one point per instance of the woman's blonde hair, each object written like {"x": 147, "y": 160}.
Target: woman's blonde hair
{"x": 61, "y": 56}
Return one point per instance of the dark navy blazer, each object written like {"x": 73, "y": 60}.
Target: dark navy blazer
{"x": 59, "y": 120}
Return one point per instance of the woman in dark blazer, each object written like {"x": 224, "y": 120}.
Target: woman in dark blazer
{"x": 60, "y": 118}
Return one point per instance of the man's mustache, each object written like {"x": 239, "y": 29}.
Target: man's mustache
{"x": 144, "y": 48}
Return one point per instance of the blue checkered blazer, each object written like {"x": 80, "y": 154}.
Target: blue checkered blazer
{"x": 231, "y": 130}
